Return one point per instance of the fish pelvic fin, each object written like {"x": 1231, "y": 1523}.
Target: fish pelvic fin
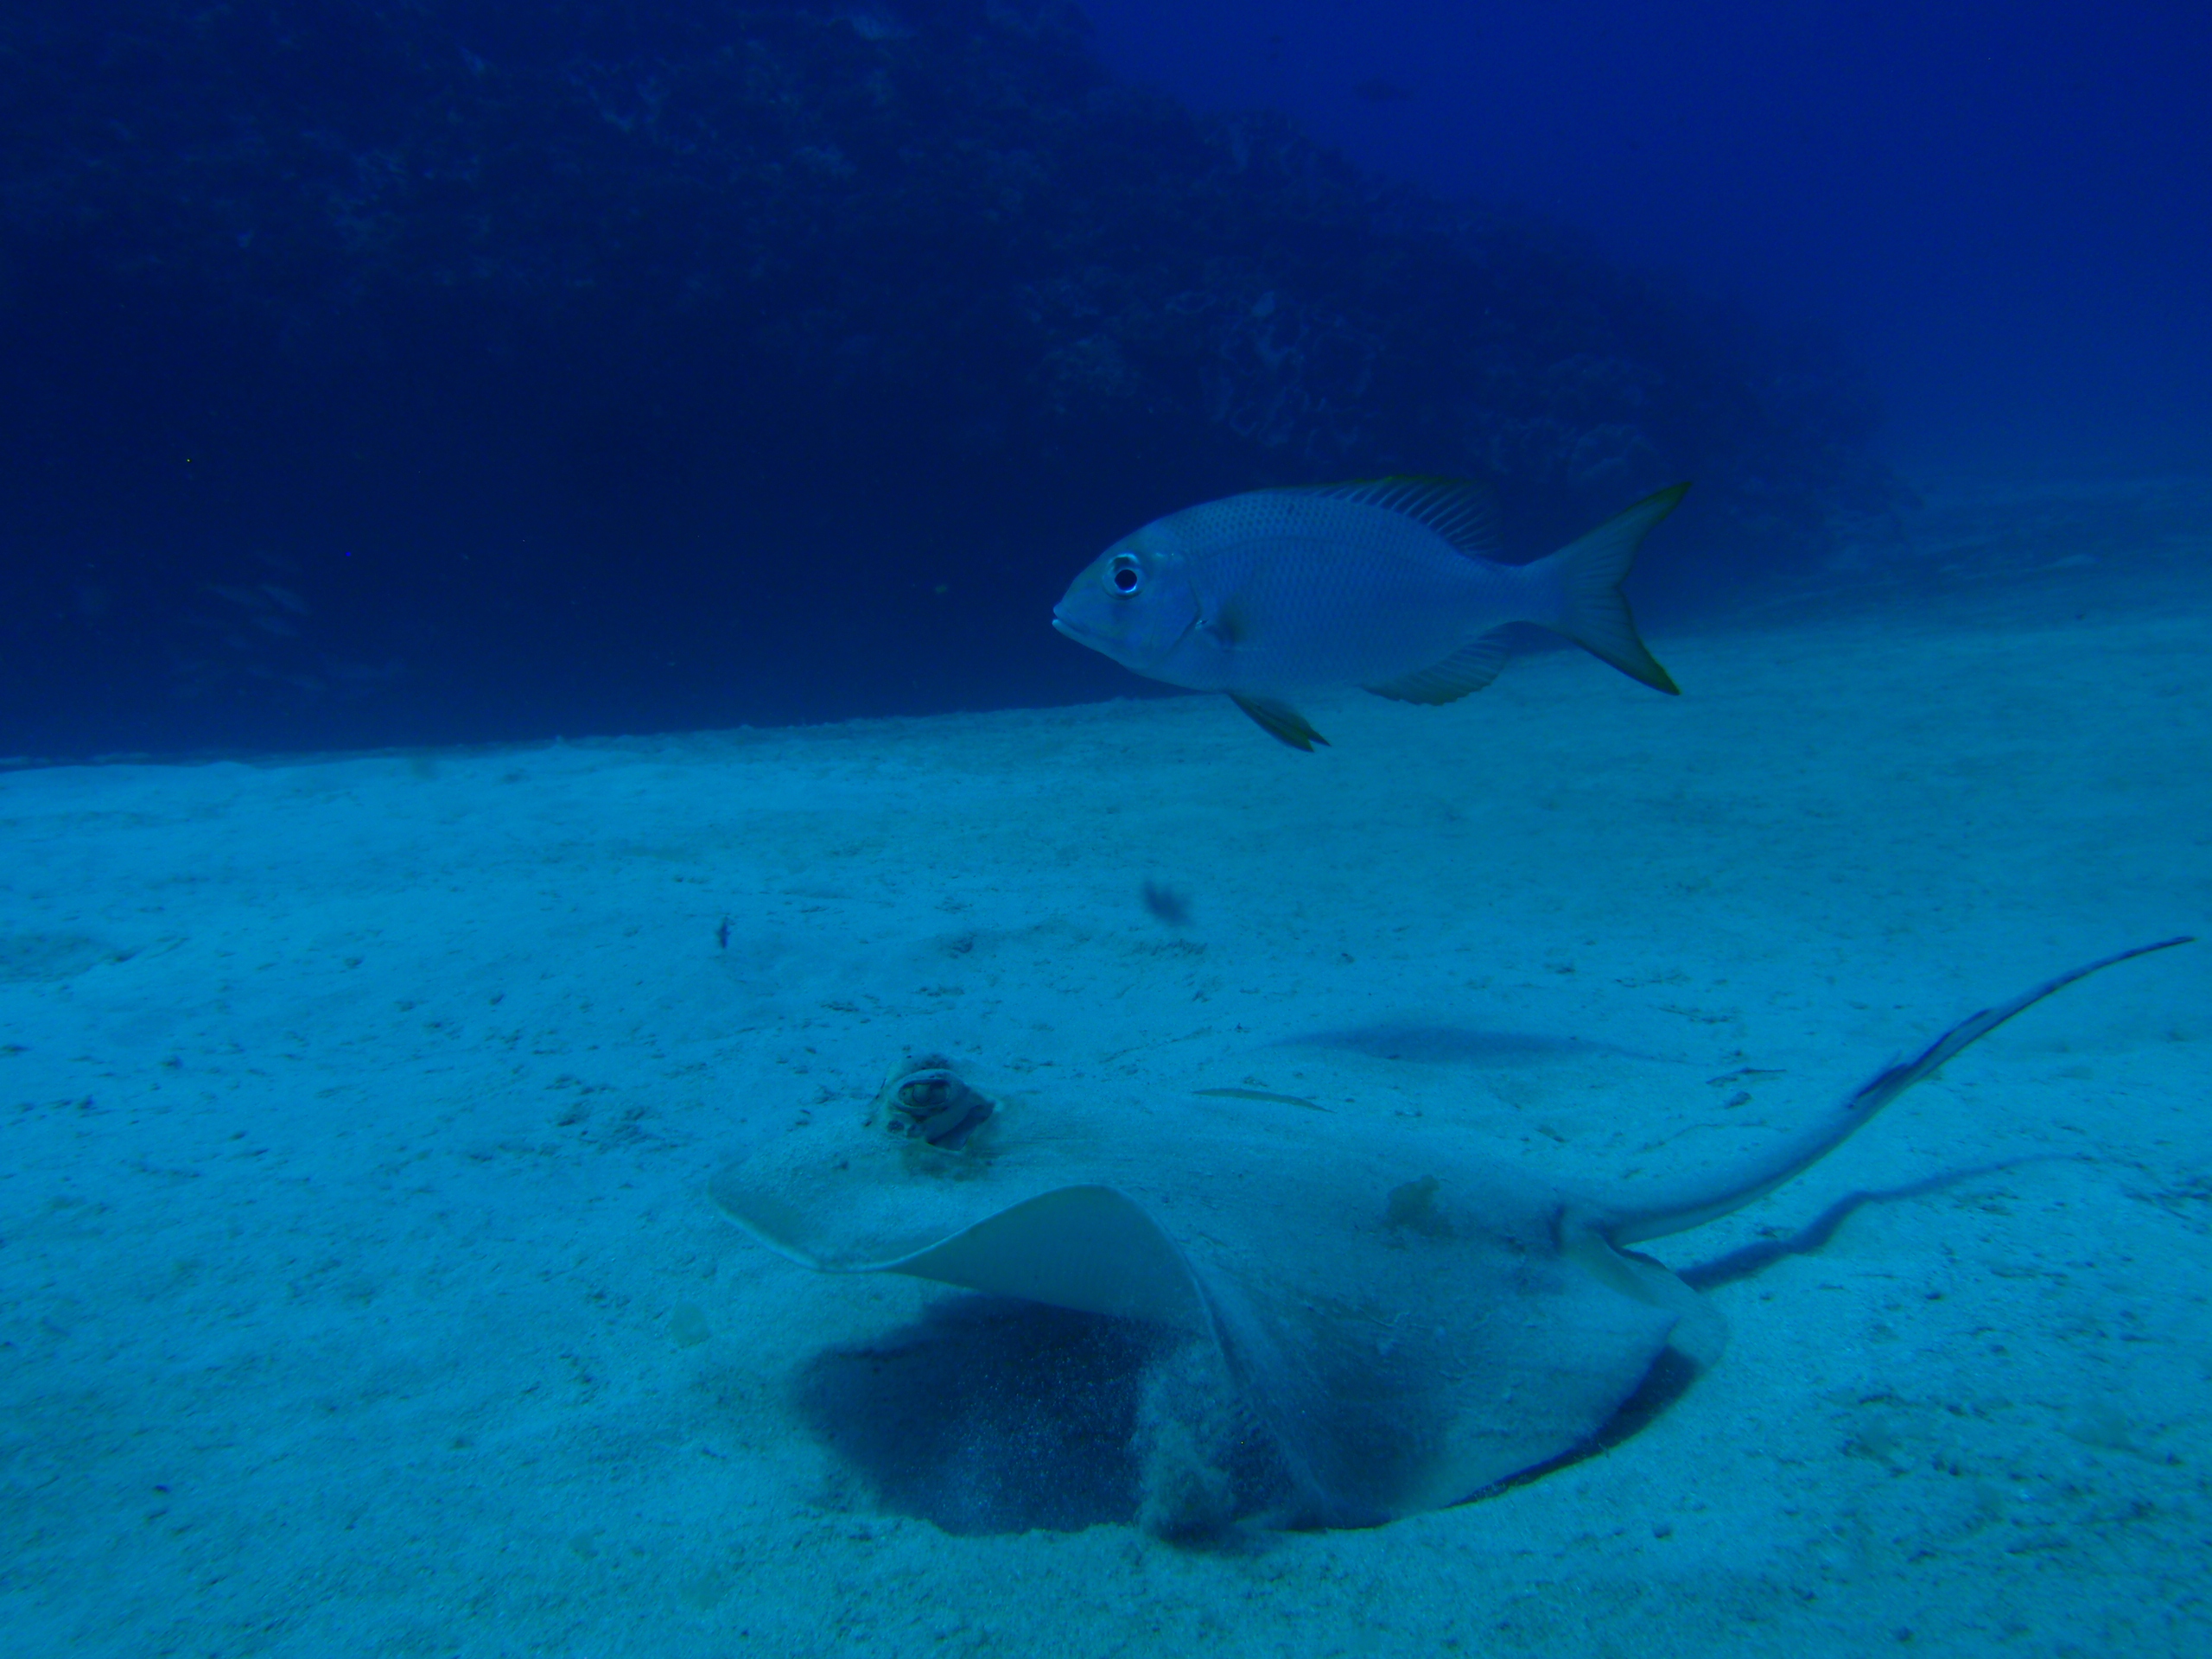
{"x": 1472, "y": 667}
{"x": 1279, "y": 721}
{"x": 1588, "y": 573}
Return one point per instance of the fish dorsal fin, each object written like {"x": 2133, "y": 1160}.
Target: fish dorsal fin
{"x": 1463, "y": 512}
{"x": 1472, "y": 667}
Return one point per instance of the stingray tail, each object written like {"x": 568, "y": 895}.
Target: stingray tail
{"x": 1693, "y": 1203}
{"x": 1586, "y": 576}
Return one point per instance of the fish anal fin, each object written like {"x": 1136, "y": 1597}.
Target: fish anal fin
{"x": 1279, "y": 721}
{"x": 1463, "y": 512}
{"x": 1471, "y": 668}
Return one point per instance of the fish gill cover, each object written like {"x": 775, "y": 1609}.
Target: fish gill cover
{"x": 385, "y": 372}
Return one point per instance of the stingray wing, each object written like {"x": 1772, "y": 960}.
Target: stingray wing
{"x": 1401, "y": 1318}
{"x": 1085, "y": 1247}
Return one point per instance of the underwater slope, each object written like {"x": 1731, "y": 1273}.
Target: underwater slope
{"x": 583, "y": 369}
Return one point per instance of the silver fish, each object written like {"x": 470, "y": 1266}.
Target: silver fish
{"x": 1388, "y": 585}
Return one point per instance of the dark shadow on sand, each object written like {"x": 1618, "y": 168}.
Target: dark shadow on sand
{"x": 1399, "y": 1040}
{"x": 989, "y": 1416}
{"x": 1753, "y": 1259}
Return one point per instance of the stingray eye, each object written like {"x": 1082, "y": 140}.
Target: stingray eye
{"x": 1125, "y": 574}
{"x": 933, "y": 1104}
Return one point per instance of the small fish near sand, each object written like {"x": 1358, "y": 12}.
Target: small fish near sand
{"x": 1391, "y": 585}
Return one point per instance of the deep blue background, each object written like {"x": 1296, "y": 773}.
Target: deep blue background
{"x": 376, "y": 373}
{"x": 2005, "y": 205}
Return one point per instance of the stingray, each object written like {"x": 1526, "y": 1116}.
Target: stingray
{"x": 1407, "y": 1322}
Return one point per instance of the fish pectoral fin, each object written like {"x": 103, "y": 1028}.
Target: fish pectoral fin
{"x": 1279, "y": 721}
{"x": 1226, "y": 627}
{"x": 1472, "y": 667}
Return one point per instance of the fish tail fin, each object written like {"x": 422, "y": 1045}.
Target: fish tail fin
{"x": 1585, "y": 578}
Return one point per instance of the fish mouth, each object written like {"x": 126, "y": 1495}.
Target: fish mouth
{"x": 1082, "y": 637}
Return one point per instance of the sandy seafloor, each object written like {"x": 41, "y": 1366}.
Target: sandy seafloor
{"x": 361, "y": 1294}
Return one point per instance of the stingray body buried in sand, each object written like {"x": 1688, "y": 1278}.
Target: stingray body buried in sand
{"x": 1405, "y": 1322}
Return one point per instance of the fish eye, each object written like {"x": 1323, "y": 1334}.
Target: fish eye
{"x": 1125, "y": 574}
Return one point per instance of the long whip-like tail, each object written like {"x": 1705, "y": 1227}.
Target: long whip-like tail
{"x": 1678, "y": 1207}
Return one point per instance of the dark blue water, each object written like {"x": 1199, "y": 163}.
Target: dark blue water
{"x": 386, "y": 374}
{"x": 2002, "y": 209}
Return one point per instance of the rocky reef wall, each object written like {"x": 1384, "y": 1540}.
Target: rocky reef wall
{"x": 588, "y": 365}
